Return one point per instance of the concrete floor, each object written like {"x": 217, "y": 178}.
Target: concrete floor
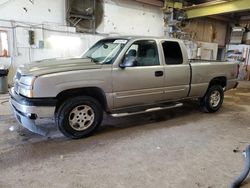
{"x": 174, "y": 148}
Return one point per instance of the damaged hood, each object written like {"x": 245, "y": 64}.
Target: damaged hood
{"x": 57, "y": 65}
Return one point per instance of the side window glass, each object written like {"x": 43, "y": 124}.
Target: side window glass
{"x": 142, "y": 53}
{"x": 172, "y": 53}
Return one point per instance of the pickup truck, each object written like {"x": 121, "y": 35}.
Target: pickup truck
{"x": 120, "y": 76}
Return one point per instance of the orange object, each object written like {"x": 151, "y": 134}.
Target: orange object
{"x": 5, "y": 53}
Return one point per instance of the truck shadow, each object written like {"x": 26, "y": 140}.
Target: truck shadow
{"x": 234, "y": 100}
{"x": 111, "y": 124}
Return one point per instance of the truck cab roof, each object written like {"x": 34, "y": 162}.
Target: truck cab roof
{"x": 130, "y": 37}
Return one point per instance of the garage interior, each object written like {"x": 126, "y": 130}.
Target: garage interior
{"x": 180, "y": 147}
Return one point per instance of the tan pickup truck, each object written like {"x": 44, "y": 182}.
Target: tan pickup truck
{"x": 120, "y": 76}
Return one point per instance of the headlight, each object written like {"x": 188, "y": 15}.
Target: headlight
{"x": 27, "y": 80}
{"x": 26, "y": 92}
{"x": 25, "y": 85}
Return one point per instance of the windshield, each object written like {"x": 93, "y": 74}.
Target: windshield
{"x": 105, "y": 51}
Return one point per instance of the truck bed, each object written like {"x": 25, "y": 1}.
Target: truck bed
{"x": 202, "y": 60}
{"x": 204, "y": 71}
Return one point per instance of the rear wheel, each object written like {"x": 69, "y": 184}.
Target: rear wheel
{"x": 213, "y": 99}
{"x": 79, "y": 117}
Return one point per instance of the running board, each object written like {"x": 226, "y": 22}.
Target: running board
{"x": 176, "y": 105}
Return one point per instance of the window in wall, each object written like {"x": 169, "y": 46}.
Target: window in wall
{"x": 4, "y": 46}
{"x": 172, "y": 53}
{"x": 143, "y": 53}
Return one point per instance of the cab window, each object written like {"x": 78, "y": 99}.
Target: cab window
{"x": 172, "y": 53}
{"x": 142, "y": 53}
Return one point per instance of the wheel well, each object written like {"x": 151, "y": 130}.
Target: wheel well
{"x": 94, "y": 92}
{"x": 222, "y": 81}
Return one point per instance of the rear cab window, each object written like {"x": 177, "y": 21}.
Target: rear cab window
{"x": 172, "y": 53}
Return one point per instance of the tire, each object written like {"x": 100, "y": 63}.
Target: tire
{"x": 213, "y": 99}
{"x": 79, "y": 117}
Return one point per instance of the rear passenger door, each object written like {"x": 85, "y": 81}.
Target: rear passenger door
{"x": 177, "y": 72}
{"x": 141, "y": 83}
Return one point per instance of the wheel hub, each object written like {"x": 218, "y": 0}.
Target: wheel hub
{"x": 215, "y": 98}
{"x": 81, "y": 117}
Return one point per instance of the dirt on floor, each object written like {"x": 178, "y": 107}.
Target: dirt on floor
{"x": 177, "y": 148}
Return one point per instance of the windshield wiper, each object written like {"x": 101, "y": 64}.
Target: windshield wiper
{"x": 92, "y": 59}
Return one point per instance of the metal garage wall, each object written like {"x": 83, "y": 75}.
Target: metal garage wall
{"x": 36, "y": 11}
{"x": 130, "y": 17}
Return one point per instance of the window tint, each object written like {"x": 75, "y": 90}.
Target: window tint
{"x": 172, "y": 53}
{"x": 142, "y": 53}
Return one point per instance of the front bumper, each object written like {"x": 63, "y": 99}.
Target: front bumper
{"x": 27, "y": 111}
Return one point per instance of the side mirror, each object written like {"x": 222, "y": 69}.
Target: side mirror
{"x": 122, "y": 66}
{"x": 128, "y": 62}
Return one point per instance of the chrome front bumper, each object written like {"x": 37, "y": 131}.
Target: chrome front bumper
{"x": 26, "y": 114}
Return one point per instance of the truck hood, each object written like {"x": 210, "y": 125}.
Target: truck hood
{"x": 57, "y": 65}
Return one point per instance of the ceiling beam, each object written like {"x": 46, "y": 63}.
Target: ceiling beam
{"x": 158, "y": 3}
{"x": 217, "y": 7}
{"x": 223, "y": 18}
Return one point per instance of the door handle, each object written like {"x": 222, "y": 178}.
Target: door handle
{"x": 158, "y": 73}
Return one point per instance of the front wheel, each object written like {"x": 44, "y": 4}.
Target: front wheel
{"x": 79, "y": 117}
{"x": 213, "y": 99}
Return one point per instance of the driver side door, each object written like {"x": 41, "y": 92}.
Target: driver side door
{"x": 141, "y": 81}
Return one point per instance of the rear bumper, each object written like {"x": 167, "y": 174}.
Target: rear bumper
{"x": 236, "y": 85}
{"x": 27, "y": 111}
{"x": 231, "y": 84}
